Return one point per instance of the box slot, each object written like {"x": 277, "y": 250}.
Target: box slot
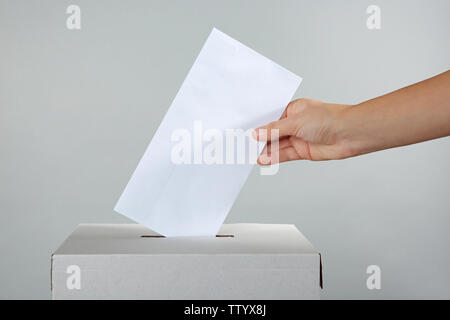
{"x": 160, "y": 236}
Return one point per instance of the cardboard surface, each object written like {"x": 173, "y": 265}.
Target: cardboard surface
{"x": 128, "y": 261}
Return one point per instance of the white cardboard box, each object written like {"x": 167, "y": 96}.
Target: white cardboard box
{"x": 128, "y": 261}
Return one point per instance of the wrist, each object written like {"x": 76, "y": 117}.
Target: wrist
{"x": 360, "y": 130}
{"x": 348, "y": 131}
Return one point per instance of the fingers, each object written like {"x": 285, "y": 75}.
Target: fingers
{"x": 282, "y": 143}
{"x": 290, "y": 148}
{"x": 291, "y": 108}
{"x": 282, "y": 155}
{"x": 285, "y": 127}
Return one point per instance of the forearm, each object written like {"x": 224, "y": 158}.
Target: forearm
{"x": 409, "y": 115}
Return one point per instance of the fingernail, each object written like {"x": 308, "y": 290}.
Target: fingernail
{"x": 264, "y": 159}
{"x": 255, "y": 134}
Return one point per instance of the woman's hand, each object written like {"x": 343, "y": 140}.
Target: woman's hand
{"x": 314, "y": 130}
{"x": 308, "y": 129}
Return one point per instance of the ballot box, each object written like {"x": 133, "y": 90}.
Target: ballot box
{"x": 129, "y": 261}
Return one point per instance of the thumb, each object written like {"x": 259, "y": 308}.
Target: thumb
{"x": 275, "y": 130}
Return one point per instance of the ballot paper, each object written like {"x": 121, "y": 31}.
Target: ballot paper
{"x": 186, "y": 182}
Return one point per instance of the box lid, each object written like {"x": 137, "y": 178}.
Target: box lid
{"x": 242, "y": 238}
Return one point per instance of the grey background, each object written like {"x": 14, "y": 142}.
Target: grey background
{"x": 78, "y": 109}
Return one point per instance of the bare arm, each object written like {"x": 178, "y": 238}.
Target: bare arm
{"x": 412, "y": 114}
{"x": 314, "y": 130}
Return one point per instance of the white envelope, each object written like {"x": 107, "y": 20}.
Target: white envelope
{"x": 230, "y": 86}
